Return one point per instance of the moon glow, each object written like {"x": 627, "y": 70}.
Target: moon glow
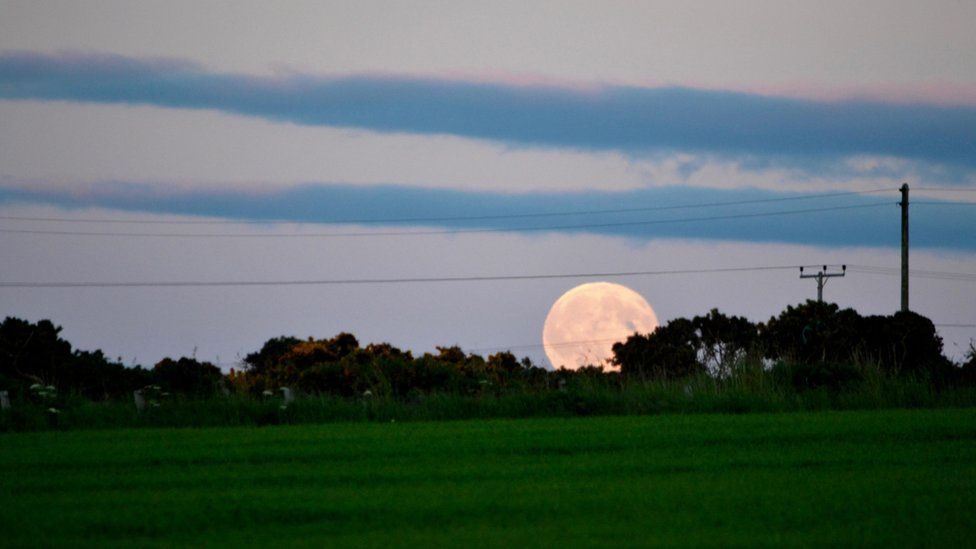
{"x": 585, "y": 322}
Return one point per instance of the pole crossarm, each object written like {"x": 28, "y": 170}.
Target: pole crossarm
{"x": 821, "y": 276}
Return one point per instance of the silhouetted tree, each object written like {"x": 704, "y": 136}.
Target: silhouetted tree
{"x": 187, "y": 376}
{"x": 905, "y": 343}
{"x": 270, "y": 353}
{"x": 822, "y": 333}
{"x": 315, "y": 351}
{"x": 967, "y": 373}
{"x": 98, "y": 378}
{"x": 35, "y": 353}
{"x": 723, "y": 340}
{"x": 669, "y": 352}
{"x": 453, "y": 355}
{"x": 812, "y": 332}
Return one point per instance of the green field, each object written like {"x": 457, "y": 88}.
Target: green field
{"x": 839, "y": 478}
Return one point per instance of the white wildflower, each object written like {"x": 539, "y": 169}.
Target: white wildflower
{"x": 54, "y": 410}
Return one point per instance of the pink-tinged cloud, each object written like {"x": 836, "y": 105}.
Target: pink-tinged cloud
{"x": 631, "y": 120}
{"x": 946, "y": 94}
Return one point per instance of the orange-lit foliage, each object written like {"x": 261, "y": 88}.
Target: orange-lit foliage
{"x": 340, "y": 366}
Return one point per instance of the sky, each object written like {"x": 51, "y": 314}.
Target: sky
{"x": 343, "y": 148}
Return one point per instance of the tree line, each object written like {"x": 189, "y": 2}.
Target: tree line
{"x": 812, "y": 345}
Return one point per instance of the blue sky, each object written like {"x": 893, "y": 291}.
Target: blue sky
{"x": 531, "y": 137}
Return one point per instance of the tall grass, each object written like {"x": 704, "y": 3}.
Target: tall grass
{"x": 741, "y": 393}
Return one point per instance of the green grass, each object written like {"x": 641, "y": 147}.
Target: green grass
{"x": 837, "y": 478}
{"x": 693, "y": 396}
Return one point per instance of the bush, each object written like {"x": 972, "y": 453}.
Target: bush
{"x": 187, "y": 376}
{"x": 821, "y": 375}
{"x": 811, "y": 333}
{"x": 35, "y": 353}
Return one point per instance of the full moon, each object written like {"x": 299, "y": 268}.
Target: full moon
{"x": 585, "y": 322}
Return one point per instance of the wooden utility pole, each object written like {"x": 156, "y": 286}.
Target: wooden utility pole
{"x": 822, "y": 277}
{"x": 904, "y": 247}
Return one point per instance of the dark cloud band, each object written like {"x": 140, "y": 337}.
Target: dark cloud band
{"x": 827, "y": 220}
{"x": 627, "y": 119}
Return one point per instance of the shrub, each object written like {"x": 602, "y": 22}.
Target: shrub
{"x": 821, "y": 375}
{"x": 187, "y": 376}
{"x": 35, "y": 353}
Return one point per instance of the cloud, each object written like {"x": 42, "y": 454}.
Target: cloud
{"x": 72, "y": 145}
{"x": 870, "y": 220}
{"x": 631, "y": 120}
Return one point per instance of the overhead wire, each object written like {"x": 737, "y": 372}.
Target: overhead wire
{"x": 447, "y": 231}
{"x": 940, "y": 203}
{"x": 866, "y": 269}
{"x": 918, "y": 273}
{"x": 414, "y": 280}
{"x": 945, "y": 189}
{"x": 443, "y": 218}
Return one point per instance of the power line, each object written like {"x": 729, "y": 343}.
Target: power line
{"x": 893, "y": 271}
{"x": 249, "y": 221}
{"x": 448, "y": 231}
{"x": 327, "y": 282}
{"x": 945, "y": 189}
{"x": 939, "y": 203}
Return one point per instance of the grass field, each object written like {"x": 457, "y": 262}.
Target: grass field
{"x": 870, "y": 477}
{"x": 688, "y": 396}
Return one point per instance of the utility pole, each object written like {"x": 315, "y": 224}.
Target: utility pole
{"x": 822, "y": 277}
{"x": 904, "y": 247}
